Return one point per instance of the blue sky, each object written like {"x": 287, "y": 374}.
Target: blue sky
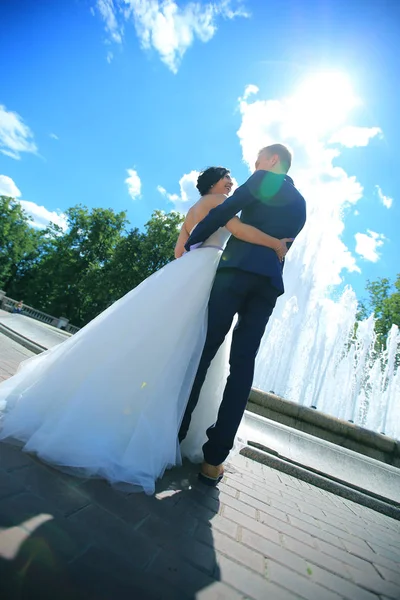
{"x": 96, "y": 92}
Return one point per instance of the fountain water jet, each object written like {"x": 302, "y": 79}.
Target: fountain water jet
{"x": 309, "y": 354}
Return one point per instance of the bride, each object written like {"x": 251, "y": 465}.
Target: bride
{"x": 108, "y": 402}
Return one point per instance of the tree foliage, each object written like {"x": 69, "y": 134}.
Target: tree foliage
{"x": 77, "y": 273}
{"x": 384, "y": 301}
{"x": 19, "y": 242}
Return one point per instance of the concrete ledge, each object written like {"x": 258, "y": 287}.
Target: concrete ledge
{"x": 20, "y": 339}
{"x": 314, "y": 422}
{"x": 324, "y": 482}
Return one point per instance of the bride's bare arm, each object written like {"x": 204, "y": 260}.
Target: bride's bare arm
{"x": 251, "y": 234}
{"x": 196, "y": 214}
{"x": 240, "y": 230}
{"x": 181, "y": 241}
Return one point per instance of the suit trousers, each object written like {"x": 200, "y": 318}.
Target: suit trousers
{"x": 252, "y": 297}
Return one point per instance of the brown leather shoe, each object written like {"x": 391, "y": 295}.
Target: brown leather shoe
{"x": 210, "y": 474}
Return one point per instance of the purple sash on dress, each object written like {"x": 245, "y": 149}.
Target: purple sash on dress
{"x": 199, "y": 245}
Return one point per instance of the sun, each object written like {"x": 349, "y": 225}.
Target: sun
{"x": 322, "y": 102}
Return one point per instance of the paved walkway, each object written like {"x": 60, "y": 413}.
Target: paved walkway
{"x": 261, "y": 535}
{"x": 11, "y": 355}
{"x": 40, "y": 333}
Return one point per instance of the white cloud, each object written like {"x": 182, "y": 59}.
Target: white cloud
{"x": 15, "y": 136}
{"x": 386, "y": 200}
{"x": 189, "y": 194}
{"x": 166, "y": 27}
{"x": 54, "y": 136}
{"x": 249, "y": 90}
{"x": 134, "y": 184}
{"x": 351, "y": 136}
{"x": 367, "y": 245}
{"x": 110, "y": 56}
{"x": 8, "y": 187}
{"x": 41, "y": 217}
{"x": 108, "y": 12}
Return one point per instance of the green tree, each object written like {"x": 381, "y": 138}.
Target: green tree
{"x": 140, "y": 254}
{"x": 158, "y": 242}
{"x": 81, "y": 271}
{"x": 19, "y": 242}
{"x": 384, "y": 301}
{"x": 67, "y": 279}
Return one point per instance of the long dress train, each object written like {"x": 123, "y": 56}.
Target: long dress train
{"x": 108, "y": 402}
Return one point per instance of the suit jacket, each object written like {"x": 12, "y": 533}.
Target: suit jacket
{"x": 269, "y": 202}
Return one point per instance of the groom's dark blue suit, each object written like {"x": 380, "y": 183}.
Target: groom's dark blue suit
{"x": 248, "y": 283}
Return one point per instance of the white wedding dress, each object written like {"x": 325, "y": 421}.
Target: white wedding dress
{"x": 108, "y": 402}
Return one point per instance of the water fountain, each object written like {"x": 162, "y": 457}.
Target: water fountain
{"x": 308, "y": 354}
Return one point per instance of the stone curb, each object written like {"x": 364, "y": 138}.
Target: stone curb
{"x": 22, "y": 340}
{"x": 314, "y": 422}
{"x": 322, "y": 481}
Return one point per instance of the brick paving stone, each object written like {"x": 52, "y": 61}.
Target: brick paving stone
{"x": 227, "y": 489}
{"x": 127, "y": 508}
{"x": 220, "y": 591}
{"x": 316, "y": 531}
{"x": 238, "y": 505}
{"x": 345, "y": 588}
{"x": 368, "y": 554}
{"x": 388, "y": 574}
{"x": 116, "y": 535}
{"x": 38, "y": 548}
{"x": 272, "y": 550}
{"x": 107, "y": 575}
{"x": 9, "y": 485}
{"x": 180, "y": 574}
{"x": 12, "y": 458}
{"x": 252, "y": 524}
{"x": 365, "y": 531}
{"x": 315, "y": 556}
{"x": 200, "y": 555}
{"x": 14, "y": 510}
{"x": 375, "y": 584}
{"x": 41, "y": 481}
{"x": 338, "y": 529}
{"x": 265, "y": 507}
{"x": 303, "y": 586}
{"x": 289, "y": 529}
{"x": 235, "y": 550}
{"x": 11, "y": 355}
{"x": 273, "y": 499}
{"x": 345, "y": 557}
{"x": 205, "y": 500}
{"x": 223, "y": 525}
{"x": 385, "y": 551}
{"x": 251, "y": 584}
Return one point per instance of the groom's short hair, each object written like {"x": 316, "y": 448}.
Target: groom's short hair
{"x": 285, "y": 155}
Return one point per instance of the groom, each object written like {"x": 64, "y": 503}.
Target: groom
{"x": 247, "y": 283}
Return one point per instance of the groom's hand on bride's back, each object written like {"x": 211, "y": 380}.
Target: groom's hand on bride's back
{"x": 282, "y": 247}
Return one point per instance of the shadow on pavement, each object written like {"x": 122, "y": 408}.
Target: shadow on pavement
{"x": 64, "y": 538}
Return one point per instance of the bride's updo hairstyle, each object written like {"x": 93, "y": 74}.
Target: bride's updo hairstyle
{"x": 210, "y": 177}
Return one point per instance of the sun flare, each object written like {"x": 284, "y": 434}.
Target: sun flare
{"x": 321, "y": 103}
